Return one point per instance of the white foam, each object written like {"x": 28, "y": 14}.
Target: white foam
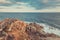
{"x": 49, "y": 29}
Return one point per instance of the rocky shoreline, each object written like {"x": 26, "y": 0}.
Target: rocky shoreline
{"x": 14, "y": 29}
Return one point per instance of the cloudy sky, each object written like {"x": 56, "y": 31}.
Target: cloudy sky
{"x": 29, "y": 5}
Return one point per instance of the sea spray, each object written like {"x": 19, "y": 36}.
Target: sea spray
{"x": 48, "y": 28}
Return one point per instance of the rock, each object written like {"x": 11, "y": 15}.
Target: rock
{"x": 14, "y": 29}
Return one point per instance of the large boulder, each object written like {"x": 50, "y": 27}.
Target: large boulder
{"x": 13, "y": 29}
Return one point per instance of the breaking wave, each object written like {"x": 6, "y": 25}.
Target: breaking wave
{"x": 48, "y": 28}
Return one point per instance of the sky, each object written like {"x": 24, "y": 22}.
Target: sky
{"x": 29, "y": 5}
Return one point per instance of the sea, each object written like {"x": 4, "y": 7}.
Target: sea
{"x": 50, "y": 21}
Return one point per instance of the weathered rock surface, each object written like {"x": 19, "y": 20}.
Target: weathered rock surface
{"x": 13, "y": 29}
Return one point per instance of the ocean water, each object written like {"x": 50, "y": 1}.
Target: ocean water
{"x": 47, "y": 20}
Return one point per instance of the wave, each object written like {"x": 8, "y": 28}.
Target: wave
{"x": 48, "y": 28}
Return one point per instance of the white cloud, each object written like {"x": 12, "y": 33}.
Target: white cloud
{"x": 17, "y": 5}
{"x": 6, "y": 7}
{"x": 5, "y": 1}
{"x": 21, "y": 3}
{"x": 24, "y": 10}
{"x": 2, "y": 0}
{"x": 25, "y": 7}
{"x": 22, "y": 6}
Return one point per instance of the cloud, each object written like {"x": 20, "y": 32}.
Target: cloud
{"x": 45, "y": 1}
{"x": 21, "y": 3}
{"x": 18, "y": 5}
{"x": 30, "y": 5}
{"x": 4, "y": 1}
{"x": 22, "y": 10}
{"x": 11, "y": 4}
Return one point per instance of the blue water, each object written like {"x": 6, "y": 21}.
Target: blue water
{"x": 52, "y": 19}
